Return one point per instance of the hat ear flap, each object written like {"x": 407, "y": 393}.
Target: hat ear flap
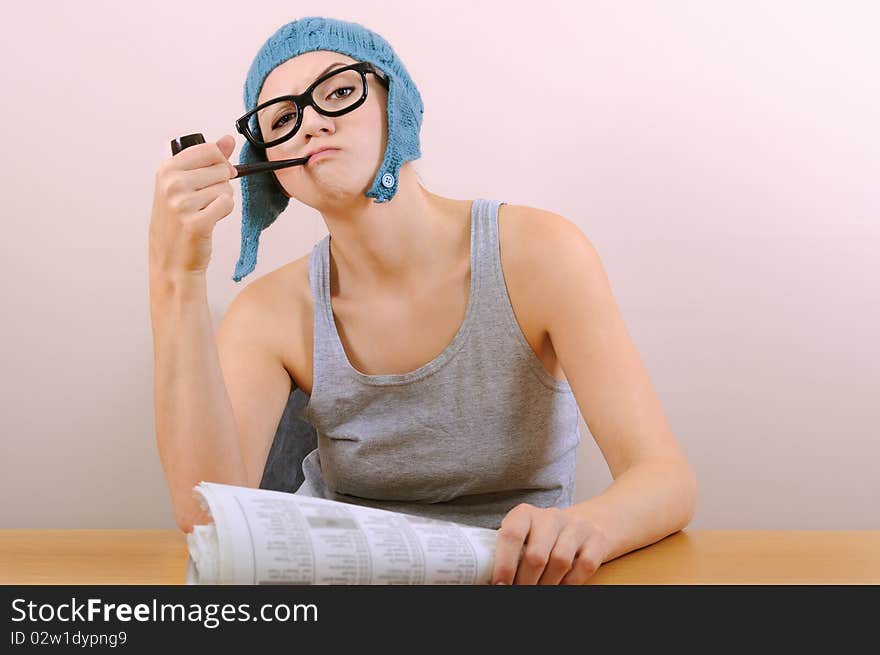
{"x": 404, "y": 111}
{"x": 261, "y": 202}
{"x": 384, "y": 185}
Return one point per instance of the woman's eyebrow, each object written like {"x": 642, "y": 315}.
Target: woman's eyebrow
{"x": 338, "y": 63}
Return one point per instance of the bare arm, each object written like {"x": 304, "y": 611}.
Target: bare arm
{"x": 217, "y": 405}
{"x": 218, "y": 401}
{"x": 195, "y": 425}
{"x": 654, "y": 491}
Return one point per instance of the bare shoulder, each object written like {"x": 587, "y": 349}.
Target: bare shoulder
{"x": 283, "y": 300}
{"x": 532, "y": 239}
{"x": 287, "y": 284}
{"x": 539, "y": 249}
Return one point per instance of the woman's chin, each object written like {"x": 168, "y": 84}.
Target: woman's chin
{"x": 337, "y": 190}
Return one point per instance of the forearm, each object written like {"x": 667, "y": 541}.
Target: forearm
{"x": 195, "y": 425}
{"x": 646, "y": 503}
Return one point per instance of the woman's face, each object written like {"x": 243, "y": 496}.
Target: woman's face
{"x": 360, "y": 135}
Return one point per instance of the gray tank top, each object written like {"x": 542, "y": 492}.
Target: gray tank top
{"x": 466, "y": 437}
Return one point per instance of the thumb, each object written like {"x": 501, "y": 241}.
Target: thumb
{"x": 226, "y": 143}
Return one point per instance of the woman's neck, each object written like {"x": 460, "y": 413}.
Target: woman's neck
{"x": 397, "y": 245}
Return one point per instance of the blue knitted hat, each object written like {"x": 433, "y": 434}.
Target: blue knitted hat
{"x": 261, "y": 196}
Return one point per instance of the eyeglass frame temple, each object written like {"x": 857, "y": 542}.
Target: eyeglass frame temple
{"x": 363, "y": 67}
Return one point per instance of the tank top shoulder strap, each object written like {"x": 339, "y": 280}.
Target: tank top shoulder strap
{"x": 494, "y": 307}
{"x": 319, "y": 275}
{"x": 485, "y": 217}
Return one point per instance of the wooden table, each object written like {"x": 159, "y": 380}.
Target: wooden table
{"x": 738, "y": 557}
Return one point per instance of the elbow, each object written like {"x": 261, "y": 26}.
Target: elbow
{"x": 682, "y": 495}
{"x": 185, "y": 525}
{"x": 184, "y": 521}
{"x": 189, "y": 513}
{"x": 681, "y": 504}
{"x": 689, "y": 496}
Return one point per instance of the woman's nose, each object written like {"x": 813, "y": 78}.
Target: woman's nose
{"x": 312, "y": 121}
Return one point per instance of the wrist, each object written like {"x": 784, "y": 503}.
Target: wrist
{"x": 176, "y": 287}
{"x": 598, "y": 527}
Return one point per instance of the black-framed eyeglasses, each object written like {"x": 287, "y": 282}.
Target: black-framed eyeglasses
{"x": 338, "y": 92}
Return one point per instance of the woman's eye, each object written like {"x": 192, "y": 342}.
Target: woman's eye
{"x": 350, "y": 89}
{"x": 277, "y": 123}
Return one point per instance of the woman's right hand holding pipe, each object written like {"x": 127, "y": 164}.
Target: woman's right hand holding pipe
{"x": 192, "y": 194}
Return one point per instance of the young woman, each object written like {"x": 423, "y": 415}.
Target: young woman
{"x": 445, "y": 345}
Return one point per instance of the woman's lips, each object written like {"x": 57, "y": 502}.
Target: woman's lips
{"x": 323, "y": 153}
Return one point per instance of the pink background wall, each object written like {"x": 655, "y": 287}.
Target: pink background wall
{"x": 722, "y": 156}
